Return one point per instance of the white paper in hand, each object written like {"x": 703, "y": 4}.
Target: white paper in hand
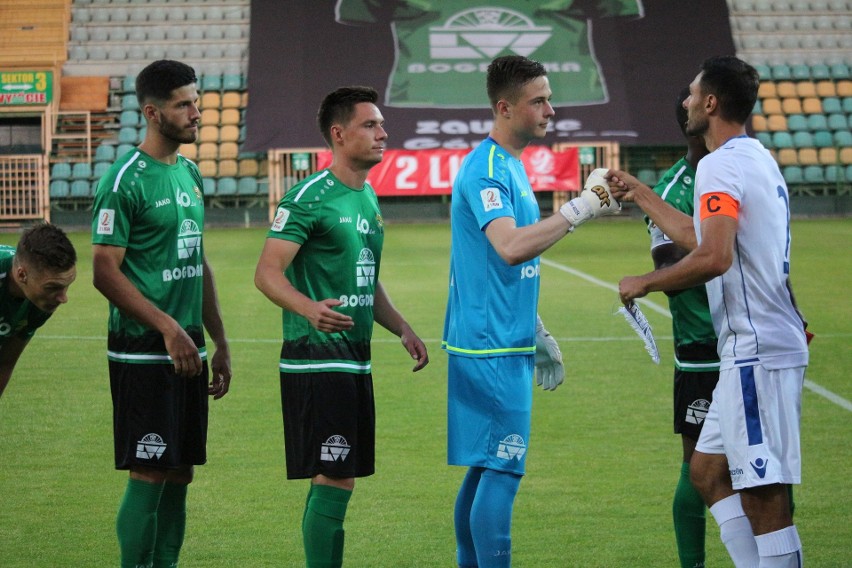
{"x": 640, "y": 325}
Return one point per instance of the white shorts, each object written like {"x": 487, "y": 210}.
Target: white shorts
{"x": 754, "y": 420}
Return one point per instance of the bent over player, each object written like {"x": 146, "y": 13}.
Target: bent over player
{"x": 320, "y": 263}
{"x": 34, "y": 281}
{"x": 149, "y": 263}
{"x": 748, "y": 452}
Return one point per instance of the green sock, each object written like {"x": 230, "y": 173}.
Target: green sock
{"x": 171, "y": 525}
{"x": 322, "y": 528}
{"x": 690, "y": 522}
{"x": 136, "y": 523}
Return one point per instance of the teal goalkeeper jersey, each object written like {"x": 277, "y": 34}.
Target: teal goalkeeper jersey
{"x": 691, "y": 321}
{"x": 443, "y": 47}
{"x": 341, "y": 233}
{"x": 18, "y": 316}
{"x": 155, "y": 211}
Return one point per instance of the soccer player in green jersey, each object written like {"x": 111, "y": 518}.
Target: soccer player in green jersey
{"x": 148, "y": 261}
{"x": 320, "y": 263}
{"x": 34, "y": 281}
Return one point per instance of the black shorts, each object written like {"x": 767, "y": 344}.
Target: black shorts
{"x": 329, "y": 424}
{"x": 159, "y": 418}
{"x": 693, "y": 393}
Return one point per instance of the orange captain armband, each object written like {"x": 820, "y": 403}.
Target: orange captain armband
{"x": 719, "y": 204}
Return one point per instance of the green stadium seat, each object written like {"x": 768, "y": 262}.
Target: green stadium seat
{"x": 59, "y": 188}
{"x": 763, "y": 71}
{"x": 848, "y": 175}
{"x": 247, "y": 186}
{"x": 781, "y": 71}
{"x": 823, "y": 139}
{"x": 835, "y": 173}
{"x": 81, "y": 170}
{"x": 211, "y": 83}
{"x": 765, "y": 138}
{"x": 226, "y": 186}
{"x": 209, "y": 186}
{"x": 122, "y": 149}
{"x": 647, "y": 176}
{"x": 800, "y": 71}
{"x": 105, "y": 153}
{"x": 817, "y": 122}
{"x": 81, "y": 188}
{"x": 793, "y": 174}
{"x": 128, "y": 118}
{"x": 797, "y": 122}
{"x": 843, "y": 139}
{"x": 802, "y": 139}
{"x": 839, "y": 71}
{"x": 782, "y": 139}
{"x": 232, "y": 82}
{"x": 100, "y": 169}
{"x": 814, "y": 174}
{"x": 831, "y": 104}
{"x": 130, "y": 102}
{"x": 837, "y": 121}
{"x": 758, "y": 107}
{"x": 61, "y": 170}
{"x": 128, "y": 84}
{"x": 127, "y": 135}
{"x": 820, "y": 71}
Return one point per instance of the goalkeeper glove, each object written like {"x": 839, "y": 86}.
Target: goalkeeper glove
{"x": 549, "y": 371}
{"x": 595, "y": 201}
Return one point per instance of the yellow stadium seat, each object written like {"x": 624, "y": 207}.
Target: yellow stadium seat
{"x": 772, "y": 105}
{"x": 207, "y": 168}
{"x": 758, "y": 122}
{"x": 846, "y": 156}
{"x": 189, "y": 151}
{"x": 776, "y": 122}
{"x": 808, "y": 157}
{"x": 826, "y": 89}
{"x": 844, "y": 88}
{"x": 787, "y": 157}
{"x": 231, "y": 99}
{"x": 209, "y": 133}
{"x": 766, "y": 89}
{"x": 230, "y": 116}
{"x": 827, "y": 156}
{"x": 244, "y": 99}
{"x": 263, "y": 168}
{"x": 208, "y": 151}
{"x": 805, "y": 89}
{"x": 248, "y": 167}
{"x": 785, "y": 89}
{"x": 791, "y": 105}
{"x": 210, "y": 116}
{"x": 211, "y": 100}
{"x": 227, "y": 168}
{"x": 812, "y": 105}
{"x": 228, "y": 150}
{"x": 229, "y": 133}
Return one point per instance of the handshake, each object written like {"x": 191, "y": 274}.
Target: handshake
{"x": 596, "y": 200}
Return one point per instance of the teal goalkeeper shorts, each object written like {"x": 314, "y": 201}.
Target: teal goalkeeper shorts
{"x": 489, "y": 405}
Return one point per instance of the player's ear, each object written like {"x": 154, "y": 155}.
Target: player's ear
{"x": 504, "y": 108}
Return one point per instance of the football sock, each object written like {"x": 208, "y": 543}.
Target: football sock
{"x": 735, "y": 531}
{"x": 465, "y": 551}
{"x": 689, "y": 521}
{"x": 322, "y": 528}
{"x": 171, "y": 525}
{"x": 136, "y": 523}
{"x": 780, "y": 549}
{"x": 491, "y": 518}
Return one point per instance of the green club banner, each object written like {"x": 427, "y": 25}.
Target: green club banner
{"x": 25, "y": 87}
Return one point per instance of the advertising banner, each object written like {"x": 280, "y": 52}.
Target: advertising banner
{"x": 25, "y": 87}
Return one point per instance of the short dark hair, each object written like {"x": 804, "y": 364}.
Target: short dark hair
{"x": 339, "y": 105}
{"x": 157, "y": 81}
{"x": 508, "y": 74}
{"x": 734, "y": 82}
{"x": 46, "y": 247}
{"x": 681, "y": 114}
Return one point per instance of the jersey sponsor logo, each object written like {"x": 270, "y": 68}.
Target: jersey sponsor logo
{"x": 354, "y": 300}
{"x": 336, "y": 448}
{"x": 530, "y": 271}
{"x": 491, "y": 199}
{"x": 281, "y": 217}
{"x": 162, "y": 202}
{"x": 759, "y": 467}
{"x": 182, "y": 272}
{"x": 106, "y": 221}
{"x": 483, "y": 33}
{"x": 346, "y": 219}
{"x": 511, "y": 447}
{"x": 696, "y": 412}
{"x": 189, "y": 239}
{"x": 363, "y": 226}
{"x": 150, "y": 447}
{"x": 365, "y": 268}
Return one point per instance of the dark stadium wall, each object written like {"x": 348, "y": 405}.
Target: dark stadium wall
{"x": 617, "y": 65}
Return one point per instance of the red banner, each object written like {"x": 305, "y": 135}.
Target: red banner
{"x": 431, "y": 172}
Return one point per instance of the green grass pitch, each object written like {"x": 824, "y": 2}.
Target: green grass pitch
{"x": 602, "y": 464}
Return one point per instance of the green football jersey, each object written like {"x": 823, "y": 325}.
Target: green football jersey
{"x": 691, "y": 322}
{"x": 443, "y": 47}
{"x": 155, "y": 211}
{"x": 341, "y": 233}
{"x": 18, "y": 316}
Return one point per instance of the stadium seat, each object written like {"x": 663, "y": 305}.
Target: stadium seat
{"x": 207, "y": 168}
{"x": 177, "y": 14}
{"x": 122, "y": 149}
{"x": 846, "y": 105}
{"x": 817, "y": 122}
{"x": 765, "y": 138}
{"x": 781, "y": 139}
{"x": 813, "y": 174}
{"x": 195, "y": 13}
{"x": 231, "y": 99}
{"x": 129, "y": 102}
{"x": 228, "y": 168}
{"x": 210, "y": 115}
{"x": 808, "y": 156}
{"x": 805, "y": 89}
{"x": 230, "y": 116}
{"x": 827, "y": 156}
{"x": 842, "y": 139}
{"x": 834, "y": 173}
{"x": 129, "y": 118}
{"x": 81, "y": 170}
{"x": 801, "y": 139}
{"x": 647, "y": 176}
{"x": 233, "y": 32}
{"x": 846, "y": 155}
{"x": 189, "y": 151}
{"x": 127, "y": 135}
{"x": 823, "y": 139}
{"x": 228, "y": 150}
{"x": 826, "y": 89}
{"x": 232, "y": 82}
{"x": 211, "y": 82}
{"x": 208, "y": 133}
{"x": 758, "y": 107}
{"x": 141, "y": 15}
{"x": 785, "y": 89}
{"x": 758, "y": 123}
{"x": 248, "y": 167}
{"x": 59, "y": 188}
{"x": 831, "y": 105}
{"x": 844, "y": 88}
{"x": 229, "y": 133}
{"x": 811, "y": 105}
{"x": 211, "y": 100}
{"x": 800, "y": 71}
{"x": 771, "y": 105}
{"x": 781, "y": 72}
{"x": 839, "y": 71}
{"x": 793, "y": 174}
{"x": 226, "y": 186}
{"x": 195, "y": 52}
{"x": 60, "y": 170}
{"x": 787, "y": 157}
{"x": 81, "y": 188}
{"x": 100, "y": 169}
{"x": 247, "y": 186}
{"x": 105, "y": 153}
{"x": 208, "y": 151}
{"x": 794, "y": 122}
{"x": 766, "y": 89}
{"x": 820, "y": 71}
{"x": 214, "y": 32}
{"x": 241, "y": 136}
{"x": 137, "y": 34}
{"x": 837, "y": 121}
{"x": 194, "y": 33}
{"x": 209, "y": 186}
{"x": 791, "y": 105}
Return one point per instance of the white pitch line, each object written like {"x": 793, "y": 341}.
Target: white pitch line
{"x": 820, "y": 390}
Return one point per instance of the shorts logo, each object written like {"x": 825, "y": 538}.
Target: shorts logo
{"x": 759, "y": 467}
{"x": 106, "y": 221}
{"x": 151, "y": 446}
{"x": 281, "y": 217}
{"x": 491, "y": 199}
{"x": 696, "y": 412}
{"x": 336, "y": 448}
{"x": 365, "y": 269}
{"x": 512, "y": 446}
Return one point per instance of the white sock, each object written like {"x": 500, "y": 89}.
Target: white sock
{"x": 735, "y": 531}
{"x": 780, "y": 549}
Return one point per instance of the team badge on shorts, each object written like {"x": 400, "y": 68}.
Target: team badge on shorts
{"x": 336, "y": 448}
{"x": 151, "y": 446}
{"x": 697, "y": 411}
{"x": 512, "y": 446}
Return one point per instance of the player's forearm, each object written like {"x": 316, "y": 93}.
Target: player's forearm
{"x": 520, "y": 244}
{"x": 116, "y": 288}
{"x": 676, "y": 225}
{"x": 698, "y": 267}
{"x": 278, "y": 289}
{"x": 386, "y": 315}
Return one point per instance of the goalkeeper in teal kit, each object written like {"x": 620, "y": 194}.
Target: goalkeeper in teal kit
{"x": 492, "y": 334}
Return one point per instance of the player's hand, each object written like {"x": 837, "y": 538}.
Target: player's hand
{"x": 549, "y": 371}
{"x": 181, "y": 348}
{"x": 323, "y": 318}
{"x": 624, "y": 186}
{"x": 630, "y": 288}
{"x": 415, "y": 347}
{"x": 220, "y": 369}
{"x": 596, "y": 200}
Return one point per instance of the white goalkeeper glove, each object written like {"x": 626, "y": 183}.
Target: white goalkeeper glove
{"x": 595, "y": 201}
{"x": 549, "y": 372}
